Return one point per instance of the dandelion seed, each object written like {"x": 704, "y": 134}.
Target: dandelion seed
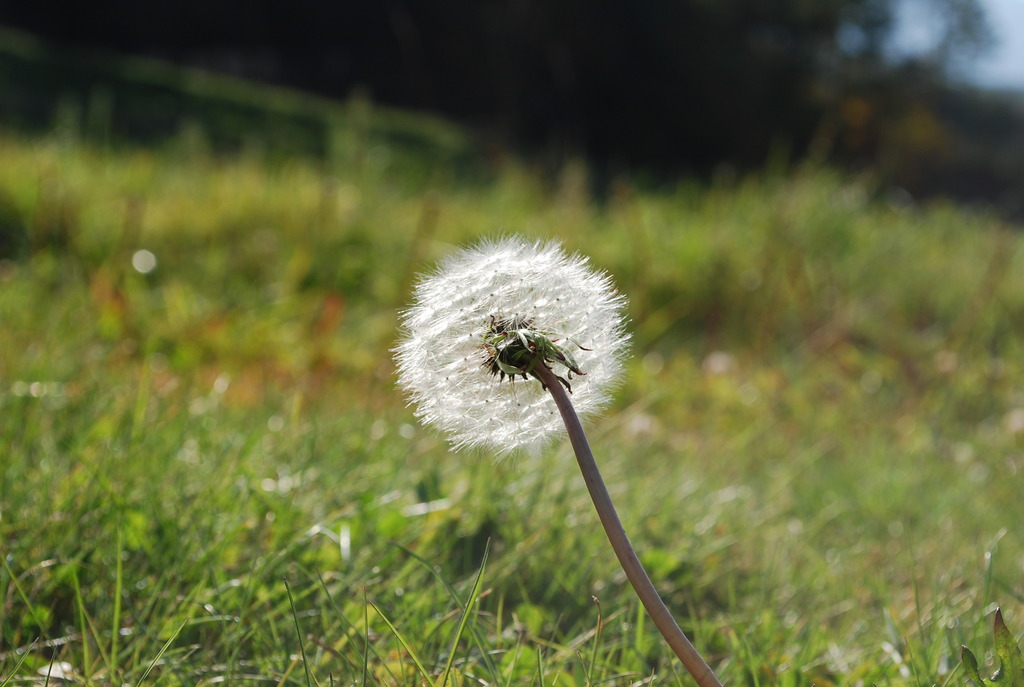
{"x": 443, "y": 350}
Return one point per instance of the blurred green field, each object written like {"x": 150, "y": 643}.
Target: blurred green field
{"x": 209, "y": 475}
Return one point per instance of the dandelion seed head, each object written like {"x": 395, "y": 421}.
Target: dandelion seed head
{"x": 441, "y": 354}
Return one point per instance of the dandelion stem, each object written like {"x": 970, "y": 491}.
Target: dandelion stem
{"x": 634, "y": 570}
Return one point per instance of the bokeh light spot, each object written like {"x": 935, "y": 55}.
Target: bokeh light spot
{"x": 143, "y": 261}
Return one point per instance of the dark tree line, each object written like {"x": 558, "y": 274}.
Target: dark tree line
{"x": 669, "y": 85}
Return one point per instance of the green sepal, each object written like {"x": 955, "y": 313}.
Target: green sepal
{"x": 1011, "y": 668}
{"x": 1011, "y": 661}
{"x": 970, "y": 664}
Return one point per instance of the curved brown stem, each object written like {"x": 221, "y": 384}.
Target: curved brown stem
{"x": 635, "y": 572}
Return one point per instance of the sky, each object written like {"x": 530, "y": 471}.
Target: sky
{"x": 1000, "y": 67}
{"x": 1003, "y": 67}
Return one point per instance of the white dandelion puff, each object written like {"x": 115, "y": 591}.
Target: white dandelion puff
{"x": 510, "y": 309}
{"x": 443, "y": 354}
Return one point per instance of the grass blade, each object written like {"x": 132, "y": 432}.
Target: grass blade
{"x": 405, "y": 645}
{"x": 493, "y": 669}
{"x": 163, "y": 649}
{"x": 24, "y": 597}
{"x": 597, "y": 642}
{"x": 350, "y": 629}
{"x": 14, "y": 671}
{"x": 115, "y": 621}
{"x": 473, "y": 595}
{"x": 366, "y": 636}
{"x": 83, "y": 627}
{"x": 298, "y": 634}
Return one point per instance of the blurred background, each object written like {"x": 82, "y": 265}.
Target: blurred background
{"x": 211, "y": 213}
{"x": 929, "y": 94}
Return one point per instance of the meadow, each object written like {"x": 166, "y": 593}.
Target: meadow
{"x": 209, "y": 476}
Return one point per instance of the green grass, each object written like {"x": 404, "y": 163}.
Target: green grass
{"x": 209, "y": 476}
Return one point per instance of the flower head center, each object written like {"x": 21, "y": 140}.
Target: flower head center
{"x": 513, "y": 347}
